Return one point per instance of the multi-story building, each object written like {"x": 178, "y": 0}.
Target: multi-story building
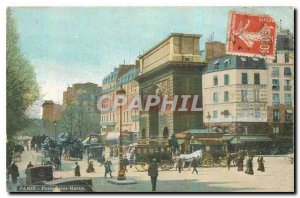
{"x": 172, "y": 67}
{"x": 51, "y": 112}
{"x": 71, "y": 95}
{"x": 110, "y": 120}
{"x": 235, "y": 96}
{"x": 281, "y": 88}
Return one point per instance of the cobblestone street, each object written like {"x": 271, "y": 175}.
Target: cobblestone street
{"x": 279, "y": 177}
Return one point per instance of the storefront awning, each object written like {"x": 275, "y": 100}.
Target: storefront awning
{"x": 180, "y": 141}
{"x": 247, "y": 138}
{"x": 112, "y": 135}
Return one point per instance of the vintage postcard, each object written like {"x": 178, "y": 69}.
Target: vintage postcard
{"x": 150, "y": 99}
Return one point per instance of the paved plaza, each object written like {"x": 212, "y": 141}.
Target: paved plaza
{"x": 279, "y": 177}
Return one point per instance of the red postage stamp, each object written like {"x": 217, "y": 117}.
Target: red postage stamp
{"x": 251, "y": 35}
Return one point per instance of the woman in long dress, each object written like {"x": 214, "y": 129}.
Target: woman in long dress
{"x": 261, "y": 166}
{"x": 249, "y": 166}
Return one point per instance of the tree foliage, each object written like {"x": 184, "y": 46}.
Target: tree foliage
{"x": 21, "y": 85}
{"x": 77, "y": 120}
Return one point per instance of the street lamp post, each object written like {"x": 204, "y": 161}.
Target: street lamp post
{"x": 55, "y": 124}
{"x": 121, "y": 173}
{"x": 208, "y": 117}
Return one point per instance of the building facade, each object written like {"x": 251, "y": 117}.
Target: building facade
{"x": 51, "y": 113}
{"x": 172, "y": 67}
{"x": 235, "y": 95}
{"x": 281, "y": 90}
{"x": 110, "y": 120}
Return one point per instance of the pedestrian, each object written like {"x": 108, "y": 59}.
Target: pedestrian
{"x": 228, "y": 161}
{"x": 131, "y": 159}
{"x": 153, "y": 173}
{"x": 14, "y": 171}
{"x": 126, "y": 163}
{"x": 90, "y": 168}
{"x": 194, "y": 165}
{"x": 108, "y": 168}
{"x": 261, "y": 166}
{"x": 77, "y": 170}
{"x": 249, "y": 166}
{"x": 29, "y": 165}
{"x": 102, "y": 160}
{"x": 180, "y": 165}
{"x": 240, "y": 163}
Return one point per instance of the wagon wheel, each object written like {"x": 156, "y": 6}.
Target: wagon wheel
{"x": 166, "y": 165}
{"x": 234, "y": 162}
{"x": 141, "y": 164}
{"x": 207, "y": 160}
{"x": 224, "y": 162}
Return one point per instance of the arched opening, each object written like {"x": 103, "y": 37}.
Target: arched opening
{"x": 166, "y": 133}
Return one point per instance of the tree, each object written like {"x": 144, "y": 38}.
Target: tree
{"x": 77, "y": 120}
{"x": 21, "y": 85}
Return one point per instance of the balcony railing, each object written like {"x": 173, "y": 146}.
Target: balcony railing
{"x": 275, "y": 74}
{"x": 287, "y": 88}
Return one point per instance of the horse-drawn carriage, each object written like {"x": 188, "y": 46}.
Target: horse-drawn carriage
{"x": 71, "y": 146}
{"x": 148, "y": 149}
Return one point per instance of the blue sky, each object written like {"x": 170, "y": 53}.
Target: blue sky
{"x": 69, "y": 45}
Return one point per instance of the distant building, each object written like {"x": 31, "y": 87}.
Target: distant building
{"x": 213, "y": 50}
{"x": 51, "y": 112}
{"x": 281, "y": 90}
{"x": 235, "y": 96}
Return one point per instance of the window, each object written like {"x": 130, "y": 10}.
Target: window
{"x": 244, "y": 78}
{"x": 216, "y": 64}
{"x": 215, "y": 97}
{"x": 215, "y": 114}
{"x": 244, "y": 113}
{"x": 275, "y": 71}
{"x": 256, "y": 95}
{"x": 215, "y": 80}
{"x": 287, "y": 71}
{"x": 256, "y": 79}
{"x": 275, "y": 58}
{"x": 276, "y": 116}
{"x": 244, "y": 95}
{"x": 287, "y": 85}
{"x": 276, "y": 130}
{"x": 275, "y": 84}
{"x": 276, "y": 99}
{"x": 226, "y": 96}
{"x": 257, "y": 113}
{"x": 226, "y": 113}
{"x": 289, "y": 115}
{"x": 227, "y": 63}
{"x": 226, "y": 79}
{"x": 286, "y": 57}
{"x": 245, "y": 131}
{"x": 287, "y": 99}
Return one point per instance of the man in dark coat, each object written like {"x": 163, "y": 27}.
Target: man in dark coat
{"x": 260, "y": 161}
{"x": 14, "y": 171}
{"x": 228, "y": 161}
{"x": 126, "y": 163}
{"x": 77, "y": 170}
{"x": 180, "y": 165}
{"x": 240, "y": 163}
{"x": 194, "y": 165}
{"x": 249, "y": 166}
{"x": 153, "y": 173}
{"x": 107, "y": 167}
